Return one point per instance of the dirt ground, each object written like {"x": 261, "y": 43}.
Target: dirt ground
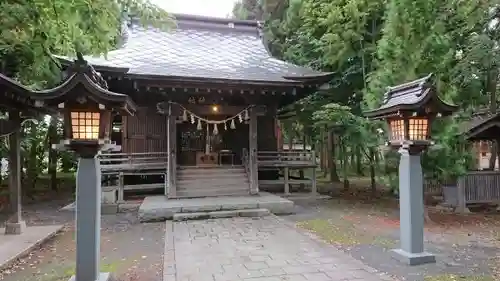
{"x": 131, "y": 250}
{"x": 467, "y": 247}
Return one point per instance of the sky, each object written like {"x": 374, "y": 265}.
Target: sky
{"x": 214, "y": 8}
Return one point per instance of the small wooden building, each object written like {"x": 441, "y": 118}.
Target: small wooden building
{"x": 208, "y": 92}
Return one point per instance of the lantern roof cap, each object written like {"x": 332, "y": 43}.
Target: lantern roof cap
{"x": 412, "y": 96}
{"x": 82, "y": 74}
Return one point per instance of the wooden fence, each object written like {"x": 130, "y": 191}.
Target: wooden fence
{"x": 477, "y": 187}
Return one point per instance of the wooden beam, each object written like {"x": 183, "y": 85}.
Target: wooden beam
{"x": 254, "y": 176}
{"x": 171, "y": 135}
{"x": 15, "y": 223}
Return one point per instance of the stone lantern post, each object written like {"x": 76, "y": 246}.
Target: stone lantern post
{"x": 409, "y": 110}
{"x": 86, "y": 106}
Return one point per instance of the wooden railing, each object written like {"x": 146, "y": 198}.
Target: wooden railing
{"x": 477, "y": 187}
{"x": 285, "y": 161}
{"x": 112, "y": 162}
{"x": 276, "y": 158}
{"x": 115, "y": 166}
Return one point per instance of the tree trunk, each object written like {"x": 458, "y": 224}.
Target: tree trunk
{"x": 345, "y": 164}
{"x": 334, "y": 177}
{"x": 359, "y": 161}
{"x": 373, "y": 162}
{"x": 321, "y": 146}
{"x": 325, "y": 153}
{"x": 492, "y": 89}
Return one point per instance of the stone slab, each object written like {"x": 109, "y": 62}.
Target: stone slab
{"x": 14, "y": 247}
{"x": 223, "y": 214}
{"x": 106, "y": 209}
{"x": 159, "y": 208}
{"x": 190, "y": 216}
{"x": 254, "y": 213}
{"x": 255, "y": 249}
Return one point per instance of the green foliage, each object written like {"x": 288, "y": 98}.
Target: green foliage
{"x": 34, "y": 30}
{"x": 374, "y": 44}
{"x": 449, "y": 159}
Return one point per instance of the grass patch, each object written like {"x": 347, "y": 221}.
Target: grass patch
{"x": 343, "y": 233}
{"x": 452, "y": 277}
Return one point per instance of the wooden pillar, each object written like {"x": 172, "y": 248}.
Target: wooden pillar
{"x": 15, "y": 224}
{"x": 173, "y": 152}
{"x": 252, "y": 147}
{"x": 289, "y": 129}
{"x": 171, "y": 157}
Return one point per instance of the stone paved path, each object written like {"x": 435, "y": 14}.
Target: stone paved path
{"x": 265, "y": 249}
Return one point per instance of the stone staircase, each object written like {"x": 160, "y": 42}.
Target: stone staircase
{"x": 212, "y": 181}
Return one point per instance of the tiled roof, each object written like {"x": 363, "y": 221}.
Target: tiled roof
{"x": 481, "y": 124}
{"x": 411, "y": 96}
{"x": 408, "y": 93}
{"x": 201, "y": 47}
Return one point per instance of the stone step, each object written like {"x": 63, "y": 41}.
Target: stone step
{"x": 197, "y": 168}
{"x": 194, "y": 177}
{"x": 211, "y": 174}
{"x": 212, "y": 187}
{"x": 213, "y": 182}
{"x": 211, "y": 193}
{"x": 221, "y": 214}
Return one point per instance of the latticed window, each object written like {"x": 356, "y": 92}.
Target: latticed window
{"x": 397, "y": 129}
{"x": 85, "y": 125}
{"x": 417, "y": 129}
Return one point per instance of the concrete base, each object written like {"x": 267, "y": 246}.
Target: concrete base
{"x": 413, "y": 258}
{"x": 159, "y": 208}
{"x": 12, "y": 228}
{"x": 104, "y": 276}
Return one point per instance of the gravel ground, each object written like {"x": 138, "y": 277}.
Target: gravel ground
{"x": 460, "y": 251}
{"x": 131, "y": 250}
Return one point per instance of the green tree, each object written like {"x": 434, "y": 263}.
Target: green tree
{"x": 32, "y": 31}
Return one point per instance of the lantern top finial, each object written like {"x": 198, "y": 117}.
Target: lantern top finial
{"x": 415, "y": 95}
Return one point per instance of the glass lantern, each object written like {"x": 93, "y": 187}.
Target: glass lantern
{"x": 409, "y": 129}
{"x": 85, "y": 125}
